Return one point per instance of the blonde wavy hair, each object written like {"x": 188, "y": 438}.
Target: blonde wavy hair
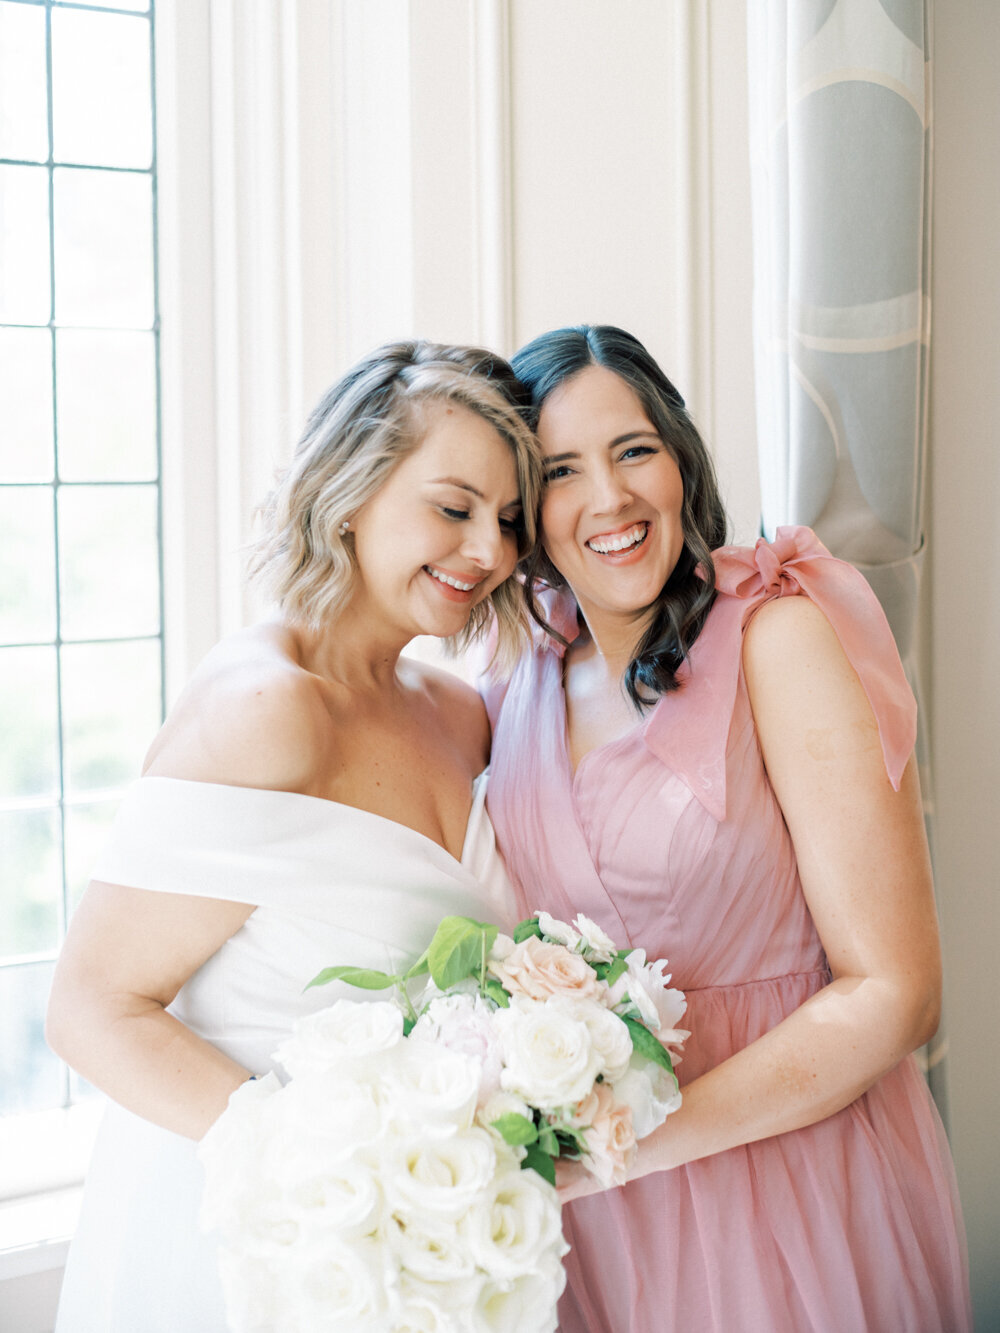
{"x": 359, "y": 431}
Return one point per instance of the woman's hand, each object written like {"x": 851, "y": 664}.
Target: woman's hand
{"x": 574, "y": 1181}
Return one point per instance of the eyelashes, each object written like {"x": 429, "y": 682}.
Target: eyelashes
{"x": 512, "y": 525}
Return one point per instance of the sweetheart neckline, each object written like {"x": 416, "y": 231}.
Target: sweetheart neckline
{"x": 476, "y": 802}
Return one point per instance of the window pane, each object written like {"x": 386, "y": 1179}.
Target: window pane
{"x": 111, "y": 711}
{"x": 24, "y": 123}
{"x": 27, "y": 565}
{"x": 24, "y": 993}
{"x": 108, "y": 561}
{"x": 87, "y": 828}
{"x": 29, "y": 723}
{"x": 101, "y": 109}
{"x": 25, "y": 405}
{"x": 138, "y": 6}
{"x": 25, "y": 293}
{"x": 31, "y": 870}
{"x": 107, "y": 405}
{"x": 104, "y": 248}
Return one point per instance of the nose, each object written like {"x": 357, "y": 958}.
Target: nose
{"x": 608, "y": 494}
{"x": 483, "y": 543}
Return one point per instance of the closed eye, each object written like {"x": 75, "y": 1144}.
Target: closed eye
{"x": 457, "y": 514}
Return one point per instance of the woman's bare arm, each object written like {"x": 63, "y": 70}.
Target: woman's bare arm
{"x": 128, "y": 951}
{"x": 865, "y": 871}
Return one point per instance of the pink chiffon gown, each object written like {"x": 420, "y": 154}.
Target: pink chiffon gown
{"x": 671, "y": 838}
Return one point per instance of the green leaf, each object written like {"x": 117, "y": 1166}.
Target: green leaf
{"x": 547, "y": 1141}
{"x": 646, "y": 1045}
{"x": 536, "y": 1160}
{"x": 525, "y": 929}
{"x": 418, "y": 969}
{"x": 615, "y": 970}
{"x": 456, "y": 950}
{"x": 516, "y": 1129}
{"x": 363, "y": 977}
{"x": 408, "y": 1025}
{"x": 497, "y": 993}
{"x": 571, "y": 1141}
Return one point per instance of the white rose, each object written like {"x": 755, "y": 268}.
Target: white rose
{"x": 250, "y": 1288}
{"x": 610, "y": 1036}
{"x": 650, "y": 1091}
{"x": 324, "y": 1117}
{"x": 557, "y": 931}
{"x": 598, "y": 947}
{"x": 434, "y": 1180}
{"x": 430, "y": 1089}
{"x": 341, "y": 1035}
{"x": 340, "y": 1196}
{"x": 231, "y": 1151}
{"x": 526, "y": 1305}
{"x": 514, "y": 1226}
{"x": 549, "y": 1055}
{"x": 434, "y": 1307}
{"x": 432, "y": 1252}
{"x": 337, "y": 1284}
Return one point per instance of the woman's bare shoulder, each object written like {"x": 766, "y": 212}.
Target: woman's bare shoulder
{"x": 251, "y": 716}
{"x": 459, "y": 709}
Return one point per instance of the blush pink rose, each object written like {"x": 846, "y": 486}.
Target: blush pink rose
{"x": 609, "y": 1135}
{"x": 540, "y": 970}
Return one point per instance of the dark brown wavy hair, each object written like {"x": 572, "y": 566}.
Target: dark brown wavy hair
{"x": 686, "y": 598}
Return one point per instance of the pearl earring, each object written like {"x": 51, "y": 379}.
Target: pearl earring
{"x": 344, "y": 527}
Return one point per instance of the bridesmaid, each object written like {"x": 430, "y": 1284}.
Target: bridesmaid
{"x": 709, "y": 752}
{"x": 313, "y": 795}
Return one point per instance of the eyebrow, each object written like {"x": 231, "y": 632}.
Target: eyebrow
{"x": 467, "y": 486}
{"x": 612, "y": 444}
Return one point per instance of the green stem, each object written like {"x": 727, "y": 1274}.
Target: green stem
{"x": 411, "y": 1013}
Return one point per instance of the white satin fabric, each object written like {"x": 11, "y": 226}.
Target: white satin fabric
{"x": 331, "y": 884}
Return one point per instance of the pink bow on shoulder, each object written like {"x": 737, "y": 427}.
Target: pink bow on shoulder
{"x": 768, "y": 568}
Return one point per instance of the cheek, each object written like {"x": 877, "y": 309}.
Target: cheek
{"x": 555, "y": 522}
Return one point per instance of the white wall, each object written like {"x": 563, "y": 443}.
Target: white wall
{"x": 964, "y": 698}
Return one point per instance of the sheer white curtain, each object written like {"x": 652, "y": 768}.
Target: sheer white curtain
{"x": 840, "y": 169}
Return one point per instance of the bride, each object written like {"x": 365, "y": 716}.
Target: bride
{"x": 313, "y": 797}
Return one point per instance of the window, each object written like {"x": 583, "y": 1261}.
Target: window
{"x": 81, "y": 643}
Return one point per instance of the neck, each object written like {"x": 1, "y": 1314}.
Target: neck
{"x": 614, "y": 639}
{"x": 352, "y": 652}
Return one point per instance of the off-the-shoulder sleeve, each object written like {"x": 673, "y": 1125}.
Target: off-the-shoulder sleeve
{"x": 207, "y": 840}
{"x": 691, "y": 737}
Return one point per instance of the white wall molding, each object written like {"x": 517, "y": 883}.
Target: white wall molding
{"x": 693, "y": 252}
{"x": 246, "y": 117}
{"x": 490, "y": 66}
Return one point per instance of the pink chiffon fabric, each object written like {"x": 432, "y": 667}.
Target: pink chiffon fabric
{"x": 671, "y": 838}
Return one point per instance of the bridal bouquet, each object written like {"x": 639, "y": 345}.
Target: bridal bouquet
{"x": 402, "y": 1180}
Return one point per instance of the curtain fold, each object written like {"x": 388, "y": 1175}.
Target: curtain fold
{"x": 840, "y": 174}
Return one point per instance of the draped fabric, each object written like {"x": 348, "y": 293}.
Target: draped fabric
{"x": 840, "y": 164}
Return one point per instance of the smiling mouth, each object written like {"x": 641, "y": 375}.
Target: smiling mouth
{"x": 616, "y": 543}
{"x": 450, "y": 580}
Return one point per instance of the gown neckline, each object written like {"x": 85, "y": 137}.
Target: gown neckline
{"x": 478, "y": 789}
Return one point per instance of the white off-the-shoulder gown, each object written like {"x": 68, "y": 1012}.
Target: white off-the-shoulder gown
{"x": 331, "y": 884}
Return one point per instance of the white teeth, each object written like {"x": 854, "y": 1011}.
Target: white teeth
{"x": 446, "y": 578}
{"x": 621, "y": 541}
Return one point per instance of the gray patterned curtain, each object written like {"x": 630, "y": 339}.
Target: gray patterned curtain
{"x": 840, "y": 163}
